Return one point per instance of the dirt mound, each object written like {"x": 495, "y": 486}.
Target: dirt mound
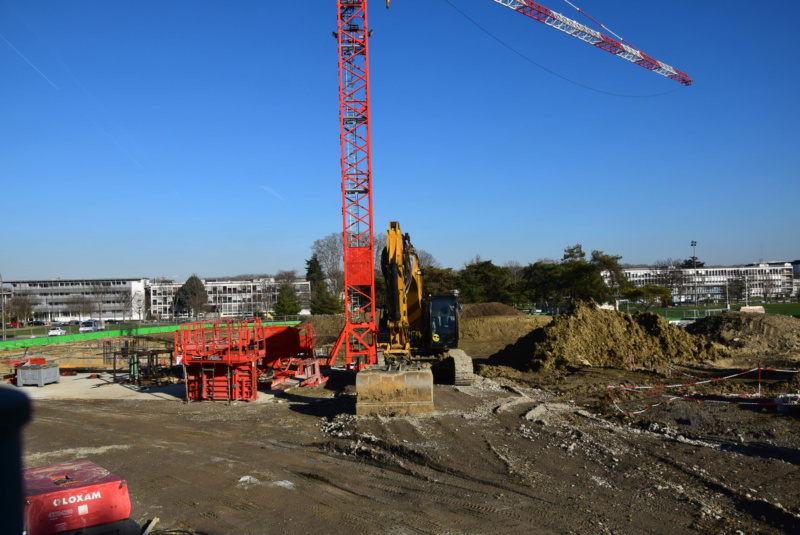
{"x": 475, "y": 310}
{"x": 749, "y": 334}
{"x": 484, "y": 327}
{"x": 589, "y": 336}
{"x": 483, "y": 336}
{"x": 327, "y": 329}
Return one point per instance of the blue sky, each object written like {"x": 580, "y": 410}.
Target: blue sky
{"x": 164, "y": 137}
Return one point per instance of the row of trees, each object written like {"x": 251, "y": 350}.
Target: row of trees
{"x": 575, "y": 276}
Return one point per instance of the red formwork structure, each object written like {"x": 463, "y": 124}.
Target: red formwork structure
{"x": 226, "y": 360}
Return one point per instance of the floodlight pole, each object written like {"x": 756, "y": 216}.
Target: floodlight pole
{"x": 727, "y": 294}
{"x": 3, "y": 306}
{"x": 694, "y": 264}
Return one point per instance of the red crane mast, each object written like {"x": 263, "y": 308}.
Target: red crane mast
{"x": 358, "y": 334}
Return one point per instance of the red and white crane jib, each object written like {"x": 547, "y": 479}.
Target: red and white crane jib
{"x": 576, "y": 29}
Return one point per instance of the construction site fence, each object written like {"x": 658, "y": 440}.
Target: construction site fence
{"x": 694, "y": 313}
{"x": 677, "y": 314}
{"x": 672, "y": 314}
{"x": 40, "y": 341}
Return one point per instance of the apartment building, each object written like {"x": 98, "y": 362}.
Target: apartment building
{"x": 708, "y": 285}
{"x": 75, "y": 299}
{"x": 227, "y": 298}
{"x": 139, "y": 298}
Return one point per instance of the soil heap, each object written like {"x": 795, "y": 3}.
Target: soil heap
{"x": 483, "y": 328}
{"x": 751, "y": 334}
{"x": 327, "y": 329}
{"x": 479, "y": 310}
{"x": 590, "y": 336}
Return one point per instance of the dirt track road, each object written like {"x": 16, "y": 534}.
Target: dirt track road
{"x": 491, "y": 459}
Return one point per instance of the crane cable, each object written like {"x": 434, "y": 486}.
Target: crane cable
{"x": 609, "y": 30}
{"x": 529, "y": 60}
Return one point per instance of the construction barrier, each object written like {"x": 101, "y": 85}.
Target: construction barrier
{"x": 654, "y": 390}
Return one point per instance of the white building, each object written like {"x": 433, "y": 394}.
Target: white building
{"x": 75, "y": 299}
{"x": 228, "y": 298}
{"x": 136, "y": 298}
{"x": 765, "y": 281}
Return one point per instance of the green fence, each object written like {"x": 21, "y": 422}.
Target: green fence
{"x": 69, "y": 338}
{"x": 39, "y": 341}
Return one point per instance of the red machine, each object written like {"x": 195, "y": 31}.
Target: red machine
{"x": 225, "y": 360}
{"x": 76, "y": 497}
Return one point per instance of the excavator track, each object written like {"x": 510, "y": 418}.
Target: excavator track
{"x": 454, "y": 369}
{"x": 462, "y": 367}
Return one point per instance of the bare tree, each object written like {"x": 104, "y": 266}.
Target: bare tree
{"x": 515, "y": 270}
{"x": 264, "y": 295}
{"x": 286, "y": 275}
{"x": 771, "y": 287}
{"x": 474, "y": 260}
{"x": 670, "y": 274}
{"x": 380, "y": 245}
{"x": 125, "y": 300}
{"x": 139, "y": 304}
{"x": 426, "y": 259}
{"x": 80, "y": 305}
{"x": 330, "y": 253}
{"x": 20, "y": 307}
{"x": 101, "y": 295}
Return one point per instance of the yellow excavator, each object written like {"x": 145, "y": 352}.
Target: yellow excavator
{"x": 417, "y": 339}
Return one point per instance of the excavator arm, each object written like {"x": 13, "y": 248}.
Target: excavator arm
{"x": 404, "y": 290}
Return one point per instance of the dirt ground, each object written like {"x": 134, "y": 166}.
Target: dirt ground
{"x": 539, "y": 443}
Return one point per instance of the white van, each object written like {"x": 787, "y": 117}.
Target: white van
{"x": 90, "y": 326}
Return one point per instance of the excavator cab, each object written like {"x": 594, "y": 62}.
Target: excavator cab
{"x": 440, "y": 316}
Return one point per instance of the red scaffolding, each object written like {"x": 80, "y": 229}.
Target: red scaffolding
{"x": 226, "y": 360}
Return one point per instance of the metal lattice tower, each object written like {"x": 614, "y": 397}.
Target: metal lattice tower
{"x": 358, "y": 334}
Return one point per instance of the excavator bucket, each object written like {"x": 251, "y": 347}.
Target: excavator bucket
{"x": 382, "y": 392}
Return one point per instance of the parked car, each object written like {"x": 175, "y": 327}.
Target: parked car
{"x": 56, "y": 331}
{"x": 36, "y": 323}
{"x": 16, "y": 324}
{"x": 90, "y": 326}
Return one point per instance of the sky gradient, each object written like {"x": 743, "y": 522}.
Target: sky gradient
{"x": 156, "y": 138}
